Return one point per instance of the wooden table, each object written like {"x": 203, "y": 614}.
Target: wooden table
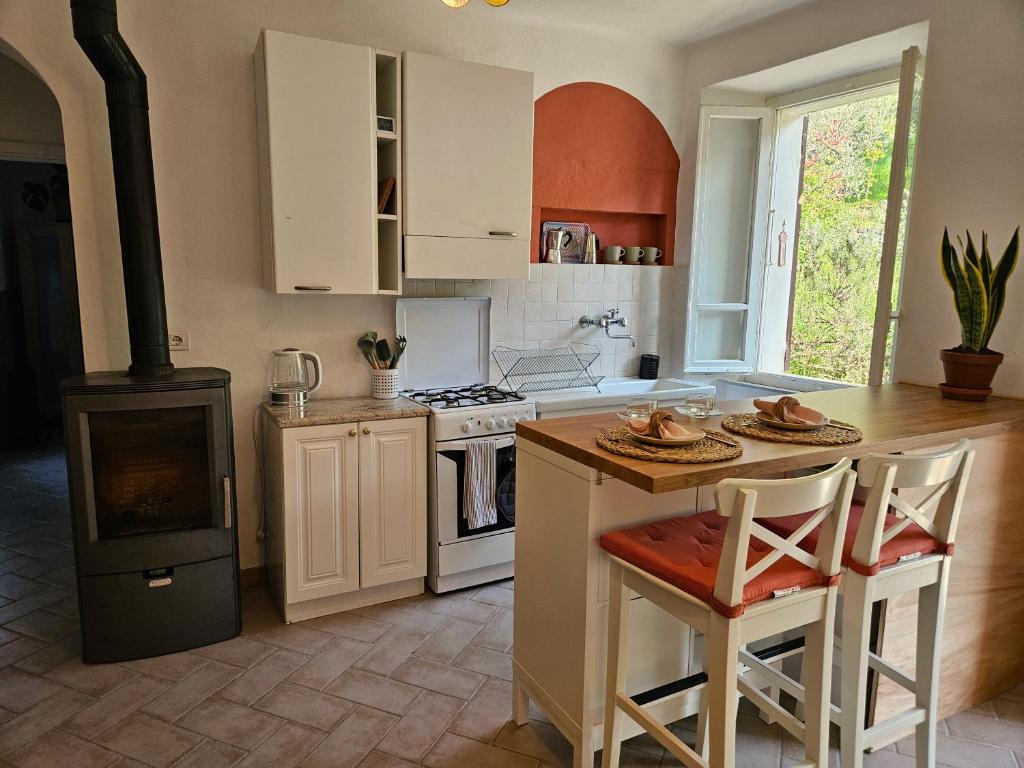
{"x": 569, "y": 491}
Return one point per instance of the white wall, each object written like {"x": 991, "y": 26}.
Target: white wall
{"x": 970, "y": 157}
{"x": 30, "y": 118}
{"x": 198, "y": 58}
{"x": 545, "y": 310}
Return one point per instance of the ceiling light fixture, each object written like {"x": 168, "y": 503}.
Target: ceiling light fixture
{"x": 464, "y": 3}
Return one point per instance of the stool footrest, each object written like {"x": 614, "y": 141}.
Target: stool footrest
{"x": 779, "y": 650}
{"x": 669, "y": 689}
{"x": 885, "y": 731}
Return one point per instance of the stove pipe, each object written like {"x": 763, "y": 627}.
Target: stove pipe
{"x": 95, "y": 28}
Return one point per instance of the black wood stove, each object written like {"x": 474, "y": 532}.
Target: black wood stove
{"x": 149, "y": 450}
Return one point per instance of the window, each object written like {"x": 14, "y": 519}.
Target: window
{"x": 800, "y": 211}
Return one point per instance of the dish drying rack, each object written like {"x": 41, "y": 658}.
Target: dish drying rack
{"x": 543, "y": 368}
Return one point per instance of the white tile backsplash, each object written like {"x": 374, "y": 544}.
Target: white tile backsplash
{"x": 545, "y": 310}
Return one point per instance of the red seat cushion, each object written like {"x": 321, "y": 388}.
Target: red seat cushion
{"x": 685, "y": 552}
{"x": 911, "y": 540}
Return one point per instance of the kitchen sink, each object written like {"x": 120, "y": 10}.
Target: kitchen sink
{"x": 613, "y": 396}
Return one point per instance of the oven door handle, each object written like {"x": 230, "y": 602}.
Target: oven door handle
{"x": 504, "y": 442}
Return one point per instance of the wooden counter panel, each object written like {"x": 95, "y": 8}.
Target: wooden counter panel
{"x": 981, "y": 646}
{"x": 893, "y": 417}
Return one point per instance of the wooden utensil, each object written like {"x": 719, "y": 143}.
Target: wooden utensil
{"x": 842, "y": 426}
{"x": 709, "y": 436}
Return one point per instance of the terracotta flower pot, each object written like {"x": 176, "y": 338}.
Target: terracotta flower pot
{"x": 969, "y": 374}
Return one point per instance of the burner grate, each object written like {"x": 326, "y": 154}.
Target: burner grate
{"x": 463, "y": 397}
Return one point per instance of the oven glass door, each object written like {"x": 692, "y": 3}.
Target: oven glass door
{"x": 451, "y": 474}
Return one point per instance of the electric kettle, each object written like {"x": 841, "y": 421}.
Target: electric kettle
{"x": 288, "y": 379}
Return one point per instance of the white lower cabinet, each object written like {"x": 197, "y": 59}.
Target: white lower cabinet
{"x": 324, "y": 526}
{"x": 346, "y": 514}
{"x": 392, "y": 501}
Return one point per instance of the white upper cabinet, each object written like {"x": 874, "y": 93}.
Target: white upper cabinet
{"x": 317, "y": 135}
{"x": 468, "y": 132}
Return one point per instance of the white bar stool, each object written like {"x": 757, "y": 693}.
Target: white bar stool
{"x": 726, "y": 575}
{"x": 892, "y": 546}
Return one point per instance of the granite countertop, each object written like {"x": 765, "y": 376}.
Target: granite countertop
{"x": 342, "y": 410}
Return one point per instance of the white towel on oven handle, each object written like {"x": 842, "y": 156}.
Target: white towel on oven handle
{"x": 480, "y": 484}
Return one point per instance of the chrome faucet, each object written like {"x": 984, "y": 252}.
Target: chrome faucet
{"x": 607, "y": 320}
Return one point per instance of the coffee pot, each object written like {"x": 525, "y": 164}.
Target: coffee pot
{"x": 288, "y": 376}
{"x": 555, "y": 240}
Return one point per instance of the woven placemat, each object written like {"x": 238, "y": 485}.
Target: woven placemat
{"x": 620, "y": 440}
{"x": 746, "y": 424}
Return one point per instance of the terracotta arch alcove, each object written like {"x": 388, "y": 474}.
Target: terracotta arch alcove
{"x": 601, "y": 157}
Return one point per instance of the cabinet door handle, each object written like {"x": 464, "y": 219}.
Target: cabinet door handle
{"x": 502, "y": 233}
{"x": 227, "y": 501}
{"x": 314, "y": 287}
{"x": 351, "y": 433}
{"x": 366, "y": 430}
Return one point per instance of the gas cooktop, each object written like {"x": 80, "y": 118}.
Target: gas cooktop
{"x": 463, "y": 397}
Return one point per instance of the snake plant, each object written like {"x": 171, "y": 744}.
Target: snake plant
{"x": 979, "y": 288}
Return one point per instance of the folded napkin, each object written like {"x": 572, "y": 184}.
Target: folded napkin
{"x": 480, "y": 484}
{"x": 788, "y": 410}
{"x": 662, "y": 424}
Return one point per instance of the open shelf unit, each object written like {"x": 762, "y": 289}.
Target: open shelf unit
{"x": 615, "y": 228}
{"x": 387, "y": 90}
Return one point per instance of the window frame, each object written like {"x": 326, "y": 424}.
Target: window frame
{"x": 904, "y": 78}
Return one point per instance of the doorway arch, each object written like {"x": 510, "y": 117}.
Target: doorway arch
{"x": 49, "y": 52}
{"x": 40, "y": 323}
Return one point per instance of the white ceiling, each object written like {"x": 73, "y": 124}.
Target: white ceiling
{"x": 675, "y": 21}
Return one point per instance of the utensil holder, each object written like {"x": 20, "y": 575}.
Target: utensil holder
{"x": 384, "y": 384}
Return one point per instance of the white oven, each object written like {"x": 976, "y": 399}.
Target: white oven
{"x": 458, "y": 556}
{"x": 450, "y": 468}
{"x": 446, "y": 367}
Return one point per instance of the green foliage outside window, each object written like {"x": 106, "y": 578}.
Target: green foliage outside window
{"x": 846, "y": 180}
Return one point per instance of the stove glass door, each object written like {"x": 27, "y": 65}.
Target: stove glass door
{"x": 451, "y": 474}
{"x": 150, "y": 471}
{"x": 149, "y": 474}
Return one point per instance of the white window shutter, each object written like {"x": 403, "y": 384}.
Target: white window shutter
{"x": 729, "y": 232}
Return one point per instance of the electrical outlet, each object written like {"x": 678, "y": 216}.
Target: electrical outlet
{"x": 179, "y": 341}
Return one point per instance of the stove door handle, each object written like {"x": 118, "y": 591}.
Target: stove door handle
{"x": 227, "y": 502}
{"x": 460, "y": 445}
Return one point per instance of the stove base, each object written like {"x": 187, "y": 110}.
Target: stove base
{"x": 441, "y": 584}
{"x": 141, "y": 614}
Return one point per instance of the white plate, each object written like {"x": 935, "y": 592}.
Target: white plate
{"x": 681, "y": 409}
{"x": 697, "y": 435}
{"x": 776, "y": 424}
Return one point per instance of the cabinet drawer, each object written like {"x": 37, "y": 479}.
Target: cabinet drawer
{"x": 456, "y": 258}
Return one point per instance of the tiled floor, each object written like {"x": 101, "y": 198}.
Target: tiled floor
{"x": 423, "y": 681}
